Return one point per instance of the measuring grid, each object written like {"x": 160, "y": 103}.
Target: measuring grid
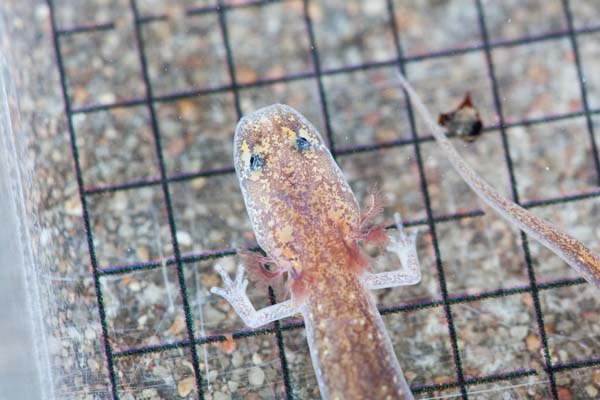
{"x": 180, "y": 260}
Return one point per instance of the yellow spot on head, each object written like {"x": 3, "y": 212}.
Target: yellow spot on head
{"x": 285, "y": 234}
{"x": 245, "y": 155}
{"x": 290, "y": 132}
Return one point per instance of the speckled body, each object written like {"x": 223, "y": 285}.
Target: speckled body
{"x": 299, "y": 203}
{"x": 350, "y": 348}
{"x": 306, "y": 218}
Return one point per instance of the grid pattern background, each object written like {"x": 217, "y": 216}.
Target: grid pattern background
{"x": 319, "y": 73}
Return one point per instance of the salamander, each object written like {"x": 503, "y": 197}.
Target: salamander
{"x": 308, "y": 222}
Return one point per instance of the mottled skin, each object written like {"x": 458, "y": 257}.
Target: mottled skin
{"x": 349, "y": 345}
{"x": 307, "y": 220}
{"x": 299, "y": 203}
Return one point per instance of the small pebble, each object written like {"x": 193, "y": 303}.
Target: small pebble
{"x": 185, "y": 387}
{"x": 184, "y": 238}
{"x": 596, "y": 378}
{"x": 161, "y": 371}
{"x": 119, "y": 202}
{"x": 233, "y": 385}
{"x": 142, "y": 320}
{"x": 149, "y": 394}
{"x": 256, "y": 359}
{"x": 410, "y": 376}
{"x": 153, "y": 294}
{"x": 90, "y": 333}
{"x": 178, "y": 325}
{"x": 135, "y": 286}
{"x": 189, "y": 365}
{"x": 519, "y": 332}
{"x": 142, "y": 253}
{"x": 221, "y": 396}
{"x": 256, "y": 376}
{"x": 565, "y": 394}
{"x": 237, "y": 359}
{"x": 198, "y": 183}
{"x": 562, "y": 355}
{"x": 106, "y": 98}
{"x": 212, "y": 375}
{"x": 93, "y": 365}
{"x": 533, "y": 343}
{"x": 591, "y": 391}
{"x": 73, "y": 207}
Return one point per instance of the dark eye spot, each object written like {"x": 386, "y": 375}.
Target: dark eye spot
{"x": 256, "y": 162}
{"x": 302, "y": 143}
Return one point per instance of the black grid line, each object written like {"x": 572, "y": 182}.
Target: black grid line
{"x": 419, "y": 305}
{"x": 458, "y": 369}
{"x": 179, "y": 260}
{"x": 86, "y": 28}
{"x": 189, "y": 323}
{"x": 582, "y": 88}
{"x": 593, "y": 362}
{"x": 238, "y": 109}
{"x": 229, "y": 58}
{"x": 342, "y": 151}
{"x": 108, "y": 352}
{"x": 318, "y": 75}
{"x": 215, "y": 254}
{"x": 282, "y": 357}
{"x": 208, "y": 9}
{"x": 515, "y": 195}
{"x": 475, "y": 381}
{"x": 335, "y": 71}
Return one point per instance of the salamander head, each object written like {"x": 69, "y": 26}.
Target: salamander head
{"x": 294, "y": 191}
{"x": 277, "y": 133}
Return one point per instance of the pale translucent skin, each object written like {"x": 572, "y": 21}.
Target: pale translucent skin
{"x": 306, "y": 219}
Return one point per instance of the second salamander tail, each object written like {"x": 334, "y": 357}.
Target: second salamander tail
{"x": 578, "y": 256}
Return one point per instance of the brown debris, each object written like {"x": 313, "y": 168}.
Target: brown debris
{"x": 464, "y": 121}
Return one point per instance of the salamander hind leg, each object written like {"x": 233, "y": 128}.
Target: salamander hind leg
{"x": 404, "y": 245}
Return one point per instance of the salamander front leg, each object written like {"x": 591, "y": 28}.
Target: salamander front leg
{"x": 235, "y": 293}
{"x": 405, "y": 247}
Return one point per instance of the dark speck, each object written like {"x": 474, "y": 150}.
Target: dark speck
{"x": 256, "y": 162}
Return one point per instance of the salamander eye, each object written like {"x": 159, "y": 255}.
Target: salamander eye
{"x": 256, "y": 162}
{"x": 302, "y": 143}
